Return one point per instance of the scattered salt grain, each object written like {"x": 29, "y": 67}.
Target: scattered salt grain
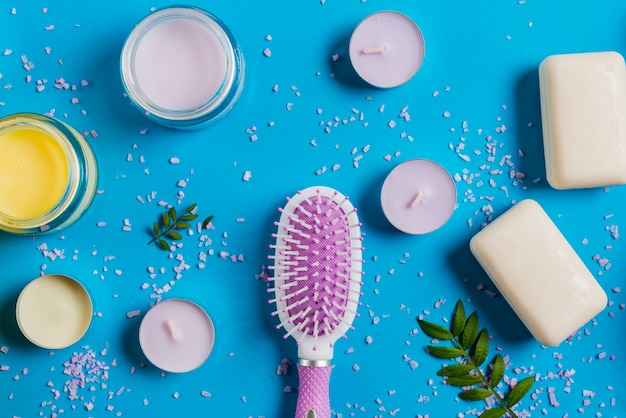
{"x": 133, "y": 313}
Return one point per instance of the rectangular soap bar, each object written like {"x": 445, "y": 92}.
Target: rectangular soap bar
{"x": 583, "y": 112}
{"x": 538, "y": 272}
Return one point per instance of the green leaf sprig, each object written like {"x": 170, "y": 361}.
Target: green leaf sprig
{"x": 472, "y": 347}
{"x": 172, "y": 223}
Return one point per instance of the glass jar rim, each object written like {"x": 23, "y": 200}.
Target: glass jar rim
{"x": 58, "y": 132}
{"x": 129, "y": 50}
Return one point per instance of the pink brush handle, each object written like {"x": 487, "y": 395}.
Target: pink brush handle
{"x": 313, "y": 392}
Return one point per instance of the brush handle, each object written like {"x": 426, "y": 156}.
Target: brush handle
{"x": 313, "y": 392}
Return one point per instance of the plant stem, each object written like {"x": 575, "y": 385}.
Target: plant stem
{"x": 161, "y": 234}
{"x": 491, "y": 389}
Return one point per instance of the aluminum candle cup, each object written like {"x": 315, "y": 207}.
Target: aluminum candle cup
{"x": 48, "y": 174}
{"x": 177, "y": 335}
{"x": 387, "y": 49}
{"x": 54, "y": 311}
{"x": 418, "y": 196}
{"x": 182, "y": 67}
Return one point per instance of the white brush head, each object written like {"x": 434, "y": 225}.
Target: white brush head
{"x": 317, "y": 270}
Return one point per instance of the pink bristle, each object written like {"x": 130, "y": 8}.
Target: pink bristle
{"x": 316, "y": 242}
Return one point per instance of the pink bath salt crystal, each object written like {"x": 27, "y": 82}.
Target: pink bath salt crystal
{"x": 4, "y": 349}
{"x": 267, "y": 52}
{"x": 335, "y": 57}
{"x": 174, "y": 160}
{"x": 205, "y": 394}
{"x": 247, "y": 175}
{"x": 49, "y": 27}
{"x": 4, "y": 368}
{"x": 88, "y": 406}
{"x": 131, "y": 314}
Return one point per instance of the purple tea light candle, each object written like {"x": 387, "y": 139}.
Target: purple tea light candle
{"x": 418, "y": 196}
{"x": 177, "y": 335}
{"x": 387, "y": 49}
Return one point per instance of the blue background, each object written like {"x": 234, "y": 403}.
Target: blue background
{"x": 480, "y": 66}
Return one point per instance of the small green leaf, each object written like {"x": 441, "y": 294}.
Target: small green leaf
{"x": 188, "y": 217}
{"x": 466, "y": 380}
{"x": 476, "y": 394}
{"x": 163, "y": 244}
{"x": 455, "y": 370}
{"x": 434, "y": 330}
{"x": 481, "y": 349}
{"x": 183, "y": 225}
{"x": 172, "y": 213}
{"x": 190, "y": 208}
{"x": 458, "y": 319}
{"x": 174, "y": 235}
{"x": 497, "y": 373}
{"x": 470, "y": 332}
{"x": 444, "y": 352}
{"x": 518, "y": 392}
{"x": 155, "y": 228}
{"x": 166, "y": 220}
{"x": 207, "y": 221}
{"x": 493, "y": 413}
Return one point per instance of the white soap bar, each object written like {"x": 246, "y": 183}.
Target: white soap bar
{"x": 538, "y": 273}
{"x": 583, "y": 111}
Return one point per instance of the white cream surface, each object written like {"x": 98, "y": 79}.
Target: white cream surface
{"x": 54, "y": 311}
{"x": 180, "y": 64}
{"x": 583, "y": 110}
{"x": 538, "y": 273}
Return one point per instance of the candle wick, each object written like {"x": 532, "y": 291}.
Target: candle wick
{"x": 417, "y": 199}
{"x": 374, "y": 49}
{"x": 173, "y": 331}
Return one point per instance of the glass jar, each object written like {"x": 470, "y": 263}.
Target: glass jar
{"x": 182, "y": 67}
{"x": 48, "y": 174}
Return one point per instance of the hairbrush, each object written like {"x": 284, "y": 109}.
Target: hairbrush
{"x": 318, "y": 267}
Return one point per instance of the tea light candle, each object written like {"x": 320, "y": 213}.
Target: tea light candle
{"x": 418, "y": 196}
{"x": 387, "y": 49}
{"x": 182, "y": 67}
{"x": 54, "y": 311}
{"x": 177, "y": 335}
{"x": 538, "y": 272}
